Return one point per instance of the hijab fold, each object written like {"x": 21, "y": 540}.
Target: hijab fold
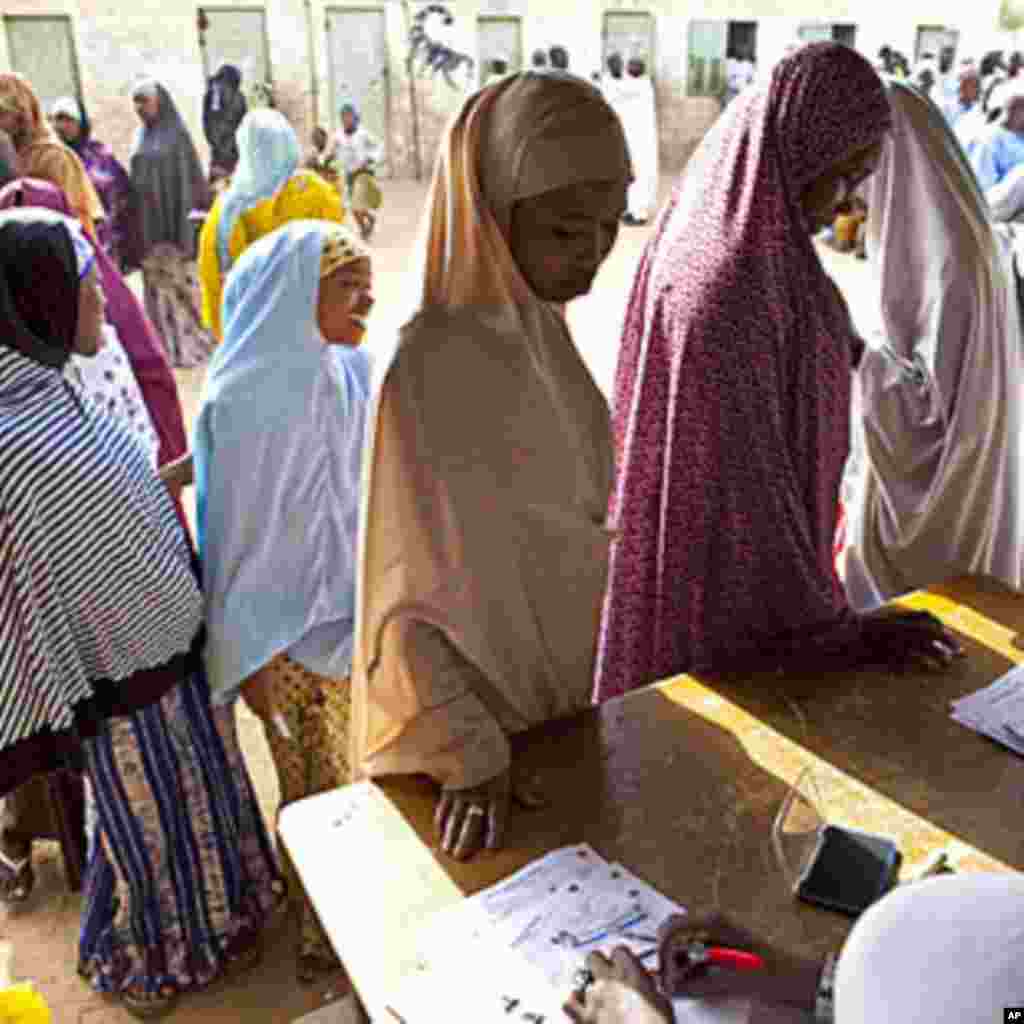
{"x": 167, "y": 176}
{"x": 732, "y": 393}
{"x": 278, "y": 449}
{"x": 941, "y": 400}
{"x": 39, "y": 261}
{"x": 484, "y": 506}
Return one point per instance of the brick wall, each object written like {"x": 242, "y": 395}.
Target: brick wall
{"x": 117, "y": 42}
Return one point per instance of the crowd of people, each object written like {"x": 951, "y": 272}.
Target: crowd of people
{"x": 983, "y": 102}
{"x": 397, "y": 572}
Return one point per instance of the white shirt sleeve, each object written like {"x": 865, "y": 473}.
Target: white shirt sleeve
{"x": 370, "y": 149}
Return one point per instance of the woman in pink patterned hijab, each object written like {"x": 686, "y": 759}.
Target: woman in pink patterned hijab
{"x": 732, "y": 400}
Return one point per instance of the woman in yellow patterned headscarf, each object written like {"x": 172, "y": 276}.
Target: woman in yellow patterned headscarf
{"x": 41, "y": 154}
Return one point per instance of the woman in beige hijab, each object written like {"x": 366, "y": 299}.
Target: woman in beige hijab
{"x": 41, "y": 154}
{"x": 484, "y": 555}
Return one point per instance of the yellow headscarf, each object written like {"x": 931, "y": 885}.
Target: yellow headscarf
{"x": 341, "y": 247}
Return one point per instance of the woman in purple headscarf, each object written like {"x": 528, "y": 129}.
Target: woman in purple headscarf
{"x": 732, "y": 400}
{"x": 105, "y": 171}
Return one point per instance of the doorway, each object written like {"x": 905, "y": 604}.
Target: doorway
{"x": 825, "y": 32}
{"x": 42, "y": 48}
{"x": 741, "y": 41}
{"x": 238, "y": 35}
{"x": 707, "y": 46}
{"x": 935, "y": 39}
{"x": 631, "y": 34}
{"x": 499, "y": 39}
{"x": 357, "y": 54}
{"x": 845, "y": 34}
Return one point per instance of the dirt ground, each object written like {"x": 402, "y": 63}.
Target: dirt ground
{"x": 44, "y": 933}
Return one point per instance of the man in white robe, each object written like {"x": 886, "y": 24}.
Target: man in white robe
{"x": 632, "y": 98}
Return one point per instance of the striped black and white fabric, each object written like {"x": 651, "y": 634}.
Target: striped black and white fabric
{"x": 95, "y": 574}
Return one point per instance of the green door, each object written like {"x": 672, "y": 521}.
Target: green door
{"x": 358, "y": 53}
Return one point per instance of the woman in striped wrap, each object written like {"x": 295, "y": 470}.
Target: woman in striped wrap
{"x": 100, "y": 644}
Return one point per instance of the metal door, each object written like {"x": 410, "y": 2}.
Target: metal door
{"x": 631, "y": 34}
{"x": 706, "y": 71}
{"x": 742, "y": 39}
{"x": 43, "y": 50}
{"x": 239, "y": 36}
{"x": 934, "y": 39}
{"x": 499, "y": 39}
{"x": 815, "y": 32}
{"x": 357, "y": 50}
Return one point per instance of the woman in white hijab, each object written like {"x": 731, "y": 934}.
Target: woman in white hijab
{"x": 485, "y": 555}
{"x": 278, "y": 454}
{"x": 941, "y": 399}
{"x": 948, "y": 948}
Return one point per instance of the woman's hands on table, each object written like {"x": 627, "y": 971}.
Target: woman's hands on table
{"x": 474, "y": 819}
{"x": 622, "y": 992}
{"x": 908, "y": 639}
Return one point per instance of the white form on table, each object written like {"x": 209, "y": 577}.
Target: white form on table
{"x": 997, "y": 711}
{"x": 342, "y": 842}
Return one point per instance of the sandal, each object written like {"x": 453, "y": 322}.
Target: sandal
{"x": 149, "y": 1005}
{"x": 17, "y": 879}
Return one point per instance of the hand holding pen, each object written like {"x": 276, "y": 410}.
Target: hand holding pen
{"x": 619, "y": 990}
{"x": 711, "y": 957}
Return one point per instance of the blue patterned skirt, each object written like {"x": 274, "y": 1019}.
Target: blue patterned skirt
{"x": 182, "y": 876}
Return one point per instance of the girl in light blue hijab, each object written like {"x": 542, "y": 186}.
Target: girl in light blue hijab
{"x": 278, "y": 452}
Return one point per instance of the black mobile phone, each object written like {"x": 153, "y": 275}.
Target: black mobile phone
{"x": 849, "y": 870}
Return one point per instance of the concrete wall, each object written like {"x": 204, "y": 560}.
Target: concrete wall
{"x": 119, "y": 42}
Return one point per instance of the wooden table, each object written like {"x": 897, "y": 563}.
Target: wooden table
{"x": 681, "y": 783}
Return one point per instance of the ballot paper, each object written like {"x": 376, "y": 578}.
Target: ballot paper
{"x": 511, "y": 953}
{"x": 997, "y": 711}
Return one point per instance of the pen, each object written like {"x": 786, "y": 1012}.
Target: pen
{"x": 609, "y": 932}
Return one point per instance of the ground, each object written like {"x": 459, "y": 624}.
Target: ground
{"x": 44, "y": 933}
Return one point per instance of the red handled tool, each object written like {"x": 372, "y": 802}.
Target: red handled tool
{"x": 718, "y": 956}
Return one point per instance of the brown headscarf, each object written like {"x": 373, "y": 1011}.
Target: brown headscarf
{"x": 490, "y": 459}
{"x": 42, "y": 155}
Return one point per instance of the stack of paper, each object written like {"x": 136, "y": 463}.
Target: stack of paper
{"x": 997, "y": 711}
{"x": 512, "y": 952}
